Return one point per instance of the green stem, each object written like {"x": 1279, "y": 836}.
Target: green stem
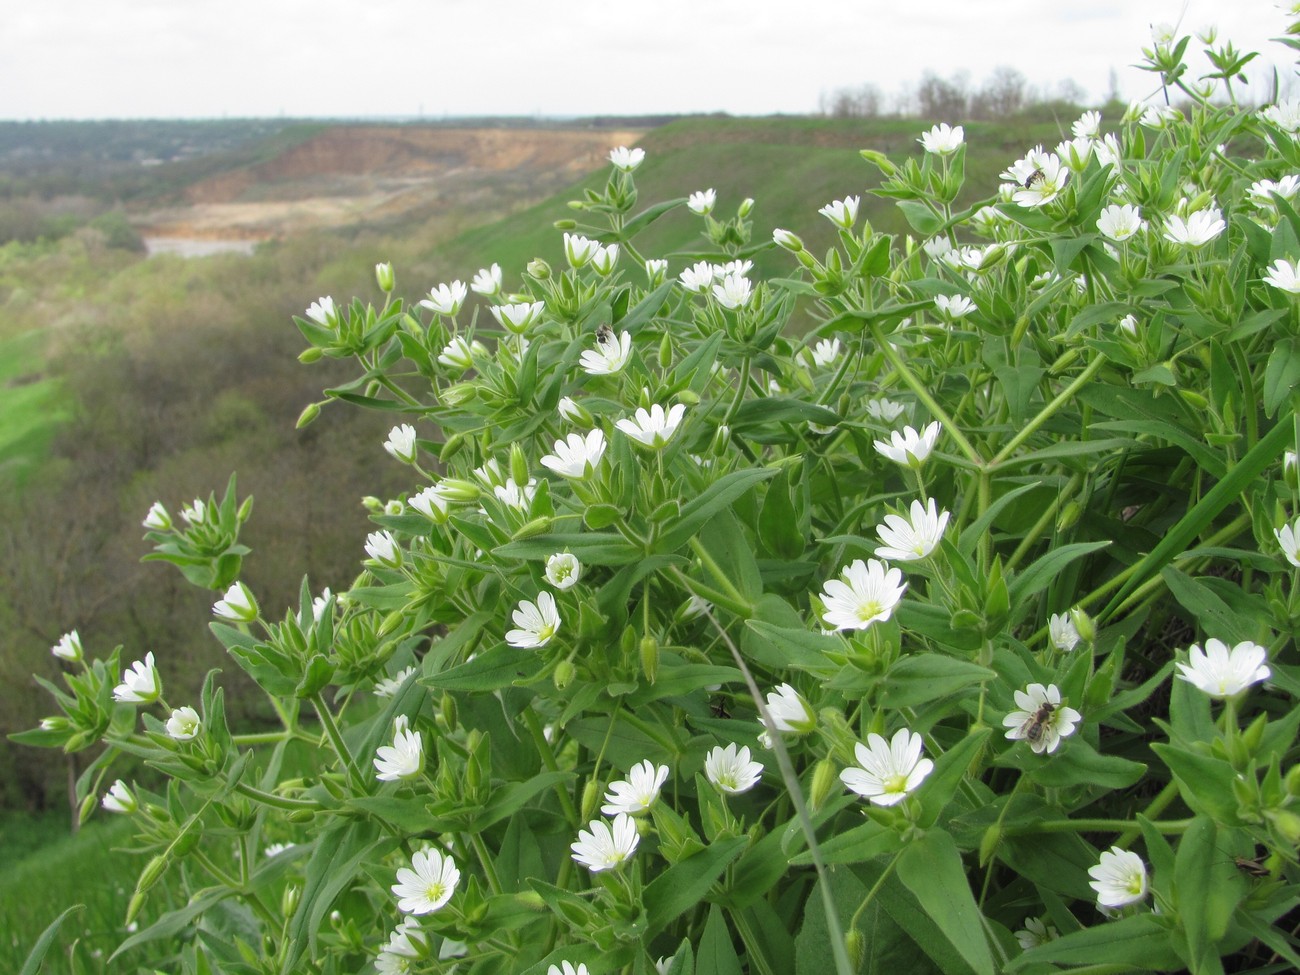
{"x": 1172, "y": 826}
{"x": 336, "y": 739}
{"x": 1049, "y": 410}
{"x": 715, "y": 570}
{"x": 534, "y": 726}
{"x": 279, "y": 802}
{"x": 1155, "y": 808}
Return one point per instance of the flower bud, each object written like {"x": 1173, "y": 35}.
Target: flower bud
{"x": 688, "y": 397}
{"x": 151, "y": 873}
{"x": 457, "y": 489}
{"x": 133, "y": 907}
{"x": 565, "y": 224}
{"x": 788, "y": 240}
{"x": 1287, "y": 823}
{"x": 85, "y": 809}
{"x": 1291, "y": 469}
{"x": 447, "y": 710}
{"x": 538, "y": 269}
{"x": 1069, "y": 516}
{"x": 460, "y": 394}
{"x": 538, "y": 526}
{"x": 989, "y": 843}
{"x": 824, "y": 782}
{"x": 292, "y": 894}
{"x": 666, "y": 350}
{"x": 854, "y": 946}
{"x": 309, "y": 414}
{"x": 308, "y": 356}
{"x": 384, "y": 277}
{"x": 745, "y": 208}
{"x": 590, "y": 796}
{"x": 564, "y": 674}
{"x": 649, "y": 657}
{"x": 1083, "y": 624}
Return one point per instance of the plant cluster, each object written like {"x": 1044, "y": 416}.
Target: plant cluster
{"x": 931, "y": 605}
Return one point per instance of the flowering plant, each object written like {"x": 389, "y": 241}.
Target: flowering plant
{"x": 648, "y": 560}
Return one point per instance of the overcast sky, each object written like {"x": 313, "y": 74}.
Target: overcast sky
{"x": 214, "y": 58}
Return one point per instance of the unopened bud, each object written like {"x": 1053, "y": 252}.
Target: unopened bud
{"x": 566, "y": 224}
{"x": 152, "y": 871}
{"x": 538, "y": 526}
{"x": 133, "y": 907}
{"x": 539, "y": 269}
{"x": 308, "y": 415}
{"x": 688, "y": 397}
{"x": 384, "y": 277}
{"x": 788, "y": 240}
{"x": 87, "y": 806}
{"x": 1291, "y": 469}
{"x": 854, "y": 946}
{"x": 460, "y": 394}
{"x": 745, "y": 208}
{"x": 311, "y": 355}
{"x": 447, "y": 708}
{"x": 666, "y": 350}
{"x": 989, "y": 843}
{"x": 1287, "y": 823}
{"x": 823, "y": 783}
{"x": 458, "y": 489}
{"x": 1083, "y": 624}
{"x": 649, "y": 657}
{"x": 590, "y": 796}
{"x": 518, "y": 464}
{"x": 289, "y": 900}
{"x": 1069, "y": 516}
{"x": 564, "y": 674}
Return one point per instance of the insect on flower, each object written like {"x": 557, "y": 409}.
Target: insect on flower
{"x": 1037, "y": 176}
{"x": 604, "y": 333}
{"x": 1033, "y": 728}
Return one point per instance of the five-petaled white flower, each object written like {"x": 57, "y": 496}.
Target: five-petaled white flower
{"x": 140, "y": 684}
{"x": 512, "y": 495}
{"x": 519, "y": 316}
{"x": 789, "y": 711}
{"x": 867, "y": 594}
{"x": 638, "y": 792}
{"x": 1043, "y": 184}
{"x": 457, "y": 354}
{"x": 383, "y": 548}
{"x": 825, "y": 352}
{"x": 69, "y": 647}
{"x": 1262, "y": 192}
{"x": 909, "y": 540}
{"x": 567, "y": 968}
{"x": 401, "y": 443}
{"x": 579, "y": 250}
{"x": 1119, "y": 878}
{"x": 427, "y": 884}
{"x": 1221, "y": 672}
{"x": 119, "y": 799}
{"x": 577, "y": 456}
{"x": 1284, "y": 275}
{"x": 702, "y": 201}
{"x": 431, "y": 503}
{"x": 953, "y": 306}
{"x": 843, "y": 213}
{"x": 884, "y": 410}
{"x": 604, "y": 260}
{"x": 446, "y": 299}
{"x": 408, "y": 941}
{"x": 157, "y": 519}
{"x": 404, "y": 757}
{"x": 488, "y": 281}
{"x": 1121, "y": 222}
{"x": 1197, "y": 229}
{"x": 653, "y": 428}
{"x": 910, "y": 448}
{"x": 320, "y": 604}
{"x": 238, "y": 605}
{"x": 537, "y": 622}
{"x": 184, "y": 723}
{"x": 323, "y": 312}
{"x": 388, "y": 686}
{"x": 563, "y": 570}
{"x": 1285, "y": 115}
{"x": 609, "y": 356}
{"x": 603, "y": 846}
{"x": 731, "y": 770}
{"x": 733, "y": 291}
{"x": 1087, "y": 126}
{"x": 698, "y": 278}
{"x": 1036, "y": 932}
{"x": 1062, "y": 632}
{"x": 942, "y": 139}
{"x": 1042, "y": 720}
{"x": 626, "y": 159}
{"x": 1288, "y": 536}
{"x": 891, "y": 770}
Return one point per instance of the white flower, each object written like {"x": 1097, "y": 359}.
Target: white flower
{"x": 1062, "y": 632}
{"x": 431, "y": 503}
{"x": 694, "y": 607}
{"x": 702, "y": 201}
{"x": 1288, "y": 536}
{"x": 566, "y": 968}
{"x": 1119, "y": 878}
{"x": 942, "y": 139}
{"x": 1160, "y": 116}
{"x": 843, "y": 213}
{"x": 1129, "y": 325}
{"x": 937, "y": 247}
{"x": 1108, "y": 153}
{"x": 407, "y": 941}
{"x": 789, "y": 711}
{"x": 825, "y": 352}
{"x": 446, "y": 299}
{"x": 654, "y": 428}
{"x": 1220, "y": 672}
{"x": 457, "y": 354}
{"x": 1121, "y": 222}
{"x": 891, "y": 770}
{"x": 393, "y": 507}
{"x": 1261, "y": 193}
{"x": 383, "y": 548}
{"x": 1284, "y": 275}
{"x": 238, "y": 605}
{"x": 868, "y": 594}
{"x": 579, "y": 250}
{"x": 1076, "y": 152}
{"x": 119, "y": 799}
{"x": 698, "y": 278}
{"x": 538, "y": 622}
{"x": 953, "y": 306}
{"x": 1088, "y": 126}
{"x": 141, "y": 684}
{"x": 884, "y": 410}
{"x": 518, "y": 317}
{"x": 563, "y": 570}
{"x": 1285, "y": 115}
{"x": 626, "y": 159}
{"x": 570, "y": 410}
{"x": 732, "y": 771}
{"x": 609, "y": 356}
{"x": 655, "y": 269}
{"x": 604, "y": 259}
{"x": 908, "y": 540}
{"x": 68, "y": 647}
{"x": 787, "y": 240}
{"x": 512, "y": 495}
{"x": 987, "y": 220}
{"x": 1036, "y": 932}
{"x": 638, "y": 792}
{"x": 323, "y": 312}
{"x": 1196, "y": 230}
{"x": 488, "y": 281}
{"x": 579, "y": 456}
{"x": 742, "y": 268}
{"x": 157, "y": 519}
{"x": 604, "y": 846}
{"x": 403, "y": 758}
{"x": 319, "y": 604}
{"x": 1043, "y": 184}
{"x": 428, "y": 884}
{"x": 401, "y": 443}
{"x": 734, "y": 291}
{"x": 910, "y": 448}
{"x": 184, "y": 723}
{"x": 196, "y": 513}
{"x": 388, "y": 686}
{"x": 1042, "y": 720}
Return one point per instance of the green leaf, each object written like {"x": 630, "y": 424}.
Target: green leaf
{"x": 920, "y": 217}
{"x": 1205, "y": 782}
{"x": 949, "y": 769}
{"x": 857, "y": 845}
{"x": 1042, "y": 572}
{"x": 491, "y": 670}
{"x": 591, "y": 548}
{"x": 1213, "y": 614}
{"x": 175, "y": 921}
{"x": 509, "y": 799}
{"x": 780, "y": 646}
{"x": 931, "y": 868}
{"x": 698, "y": 510}
{"x": 1139, "y": 943}
{"x": 924, "y": 677}
{"x": 1281, "y": 375}
{"x": 675, "y": 681}
{"x": 1078, "y": 763}
{"x": 976, "y": 529}
{"x": 1209, "y": 887}
{"x": 685, "y": 883}
{"x": 717, "y": 956}
{"x": 36, "y": 957}
{"x": 778, "y": 525}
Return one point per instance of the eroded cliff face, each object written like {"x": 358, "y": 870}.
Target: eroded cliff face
{"x": 351, "y": 173}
